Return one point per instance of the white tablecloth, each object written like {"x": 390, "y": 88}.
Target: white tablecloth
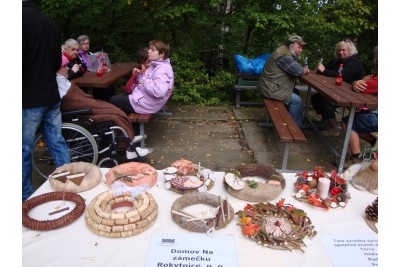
{"x": 75, "y": 245}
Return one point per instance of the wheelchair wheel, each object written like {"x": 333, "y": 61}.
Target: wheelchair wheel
{"x": 81, "y": 146}
{"x": 108, "y": 162}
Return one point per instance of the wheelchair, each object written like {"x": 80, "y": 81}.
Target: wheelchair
{"x": 87, "y": 141}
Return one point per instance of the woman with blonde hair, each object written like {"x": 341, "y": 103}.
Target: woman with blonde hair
{"x": 345, "y": 53}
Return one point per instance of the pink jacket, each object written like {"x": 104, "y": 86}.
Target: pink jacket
{"x": 155, "y": 88}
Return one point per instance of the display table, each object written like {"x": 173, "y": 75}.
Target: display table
{"x": 76, "y": 245}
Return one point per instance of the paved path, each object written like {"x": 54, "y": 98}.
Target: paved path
{"x": 221, "y": 138}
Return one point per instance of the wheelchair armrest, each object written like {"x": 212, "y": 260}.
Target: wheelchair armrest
{"x": 76, "y": 112}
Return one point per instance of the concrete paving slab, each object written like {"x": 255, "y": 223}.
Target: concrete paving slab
{"x": 222, "y": 138}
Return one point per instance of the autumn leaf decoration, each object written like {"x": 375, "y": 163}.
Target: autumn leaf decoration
{"x": 279, "y": 204}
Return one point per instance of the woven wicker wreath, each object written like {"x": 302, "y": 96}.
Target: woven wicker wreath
{"x": 240, "y": 184}
{"x": 132, "y": 174}
{"x": 276, "y": 226}
{"x": 221, "y": 219}
{"x": 64, "y": 220}
{"x": 75, "y": 177}
{"x": 103, "y": 221}
{"x": 189, "y": 178}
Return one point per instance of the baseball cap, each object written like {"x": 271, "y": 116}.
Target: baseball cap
{"x": 296, "y": 38}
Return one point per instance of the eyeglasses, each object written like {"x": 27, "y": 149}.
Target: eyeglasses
{"x": 84, "y": 44}
{"x": 347, "y": 40}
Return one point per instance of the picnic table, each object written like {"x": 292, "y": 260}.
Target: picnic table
{"x": 91, "y": 80}
{"x": 341, "y": 96}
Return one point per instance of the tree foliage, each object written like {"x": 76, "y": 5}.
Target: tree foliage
{"x": 205, "y": 34}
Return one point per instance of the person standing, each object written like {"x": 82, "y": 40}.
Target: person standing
{"x": 279, "y": 75}
{"x": 41, "y": 59}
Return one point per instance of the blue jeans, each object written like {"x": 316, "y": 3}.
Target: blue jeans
{"x": 295, "y": 108}
{"x": 48, "y": 118}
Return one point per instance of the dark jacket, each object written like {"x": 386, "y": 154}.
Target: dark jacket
{"x": 353, "y": 69}
{"x": 41, "y": 57}
{"x": 82, "y": 69}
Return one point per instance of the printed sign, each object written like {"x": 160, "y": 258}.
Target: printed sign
{"x": 191, "y": 250}
{"x": 356, "y": 250}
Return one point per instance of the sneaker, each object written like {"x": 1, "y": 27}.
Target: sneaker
{"x": 350, "y": 162}
{"x": 138, "y": 152}
{"x": 332, "y": 132}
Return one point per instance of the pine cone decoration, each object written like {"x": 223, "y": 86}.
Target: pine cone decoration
{"x": 343, "y": 187}
{"x": 371, "y": 212}
{"x": 342, "y": 197}
{"x": 301, "y": 180}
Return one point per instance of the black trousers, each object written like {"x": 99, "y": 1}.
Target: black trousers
{"x": 323, "y": 107}
{"x": 122, "y": 102}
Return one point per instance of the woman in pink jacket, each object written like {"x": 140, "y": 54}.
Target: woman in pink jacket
{"x": 154, "y": 89}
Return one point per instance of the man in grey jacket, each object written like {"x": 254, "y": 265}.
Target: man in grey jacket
{"x": 278, "y": 78}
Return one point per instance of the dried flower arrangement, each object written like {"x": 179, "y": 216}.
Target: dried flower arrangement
{"x": 254, "y": 182}
{"x": 185, "y": 177}
{"x": 320, "y": 189}
{"x": 280, "y": 226}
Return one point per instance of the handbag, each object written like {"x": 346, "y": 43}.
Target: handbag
{"x": 131, "y": 83}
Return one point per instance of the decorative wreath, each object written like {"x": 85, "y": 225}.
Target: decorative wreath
{"x": 243, "y": 183}
{"x": 64, "y": 220}
{"x": 223, "y": 214}
{"x": 276, "y": 226}
{"x": 75, "y": 177}
{"x": 185, "y": 177}
{"x": 103, "y": 221}
{"x": 132, "y": 174}
{"x": 309, "y": 189}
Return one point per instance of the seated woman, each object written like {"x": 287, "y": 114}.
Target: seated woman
{"x": 137, "y": 75}
{"x": 155, "y": 87}
{"x": 366, "y": 120}
{"x": 73, "y": 98}
{"x": 346, "y": 54}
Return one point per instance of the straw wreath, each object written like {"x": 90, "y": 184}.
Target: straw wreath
{"x": 223, "y": 216}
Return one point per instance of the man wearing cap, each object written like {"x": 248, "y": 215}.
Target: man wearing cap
{"x": 278, "y": 78}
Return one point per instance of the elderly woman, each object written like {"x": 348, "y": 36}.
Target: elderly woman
{"x": 76, "y": 67}
{"x": 84, "y": 46}
{"x": 346, "y": 54}
{"x": 365, "y": 120}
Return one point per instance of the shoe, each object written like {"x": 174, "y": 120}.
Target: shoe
{"x": 138, "y": 152}
{"x": 137, "y": 139}
{"x": 332, "y": 132}
{"x": 350, "y": 162}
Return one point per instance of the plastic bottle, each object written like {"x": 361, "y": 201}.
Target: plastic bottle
{"x": 104, "y": 67}
{"x": 339, "y": 75}
{"x": 305, "y": 62}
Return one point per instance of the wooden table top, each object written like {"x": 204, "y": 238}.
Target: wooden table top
{"x": 341, "y": 96}
{"x": 118, "y": 71}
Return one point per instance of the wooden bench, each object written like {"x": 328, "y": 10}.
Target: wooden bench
{"x": 245, "y": 81}
{"x": 141, "y": 119}
{"x": 284, "y": 125}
